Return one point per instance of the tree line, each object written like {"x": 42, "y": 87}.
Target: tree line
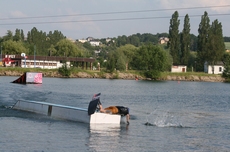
{"x": 210, "y": 42}
{"x": 134, "y": 52}
{"x": 44, "y": 44}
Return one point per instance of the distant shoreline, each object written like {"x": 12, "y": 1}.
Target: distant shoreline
{"x": 121, "y": 75}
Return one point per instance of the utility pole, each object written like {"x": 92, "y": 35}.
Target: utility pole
{"x": 34, "y": 56}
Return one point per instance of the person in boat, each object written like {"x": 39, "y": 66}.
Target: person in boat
{"x": 124, "y": 111}
{"x": 119, "y": 110}
{"x": 99, "y": 107}
{"x": 112, "y": 109}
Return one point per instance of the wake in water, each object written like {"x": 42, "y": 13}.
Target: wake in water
{"x": 165, "y": 119}
{"x": 166, "y": 125}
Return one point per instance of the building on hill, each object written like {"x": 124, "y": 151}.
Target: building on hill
{"x": 82, "y": 40}
{"x": 89, "y": 39}
{"x": 108, "y": 40}
{"x": 95, "y": 43}
{"x": 163, "y": 40}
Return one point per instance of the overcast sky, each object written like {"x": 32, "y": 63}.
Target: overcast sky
{"x": 79, "y": 19}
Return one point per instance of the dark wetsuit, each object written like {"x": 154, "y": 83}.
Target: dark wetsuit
{"x": 98, "y": 105}
{"x": 122, "y": 110}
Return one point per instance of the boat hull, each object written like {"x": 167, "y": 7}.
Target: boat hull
{"x": 66, "y": 112}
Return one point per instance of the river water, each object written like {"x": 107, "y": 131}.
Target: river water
{"x": 180, "y": 116}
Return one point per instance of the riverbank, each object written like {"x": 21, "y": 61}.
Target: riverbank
{"x": 120, "y": 75}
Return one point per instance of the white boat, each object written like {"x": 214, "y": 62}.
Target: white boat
{"x": 69, "y": 112}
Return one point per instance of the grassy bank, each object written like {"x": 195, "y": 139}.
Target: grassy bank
{"x": 186, "y": 74}
{"x": 100, "y": 74}
{"x": 76, "y": 70}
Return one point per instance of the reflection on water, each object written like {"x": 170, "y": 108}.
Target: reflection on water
{"x": 105, "y": 129}
{"x": 106, "y": 137}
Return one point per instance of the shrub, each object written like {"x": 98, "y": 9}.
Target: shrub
{"x": 152, "y": 74}
{"x": 64, "y": 70}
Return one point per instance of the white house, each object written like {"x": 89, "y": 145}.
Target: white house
{"x": 82, "y": 40}
{"x": 97, "y": 51}
{"x": 89, "y": 38}
{"x": 108, "y": 40}
{"x": 163, "y": 40}
{"x": 216, "y": 69}
{"x": 95, "y": 43}
{"x": 179, "y": 68}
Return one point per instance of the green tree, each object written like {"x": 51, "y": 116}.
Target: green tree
{"x": 193, "y": 43}
{"x": 110, "y": 64}
{"x": 174, "y": 38}
{"x": 192, "y": 61}
{"x": 226, "y": 39}
{"x": 226, "y": 61}
{"x": 148, "y": 38}
{"x": 65, "y": 70}
{"x": 86, "y": 53}
{"x": 121, "y": 40}
{"x": 43, "y": 41}
{"x": 17, "y": 35}
{"x": 88, "y": 46}
{"x": 152, "y": 59}
{"x": 134, "y": 40}
{"x": 52, "y": 50}
{"x": 116, "y": 60}
{"x": 216, "y": 46}
{"x": 13, "y": 47}
{"x": 8, "y": 36}
{"x": 185, "y": 41}
{"x": 38, "y": 38}
{"x": 67, "y": 48}
{"x": 128, "y": 50}
{"x": 202, "y": 42}
{"x": 121, "y": 61}
{"x": 55, "y": 37}
{"x": 22, "y": 36}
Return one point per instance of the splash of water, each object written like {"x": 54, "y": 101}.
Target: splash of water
{"x": 163, "y": 120}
